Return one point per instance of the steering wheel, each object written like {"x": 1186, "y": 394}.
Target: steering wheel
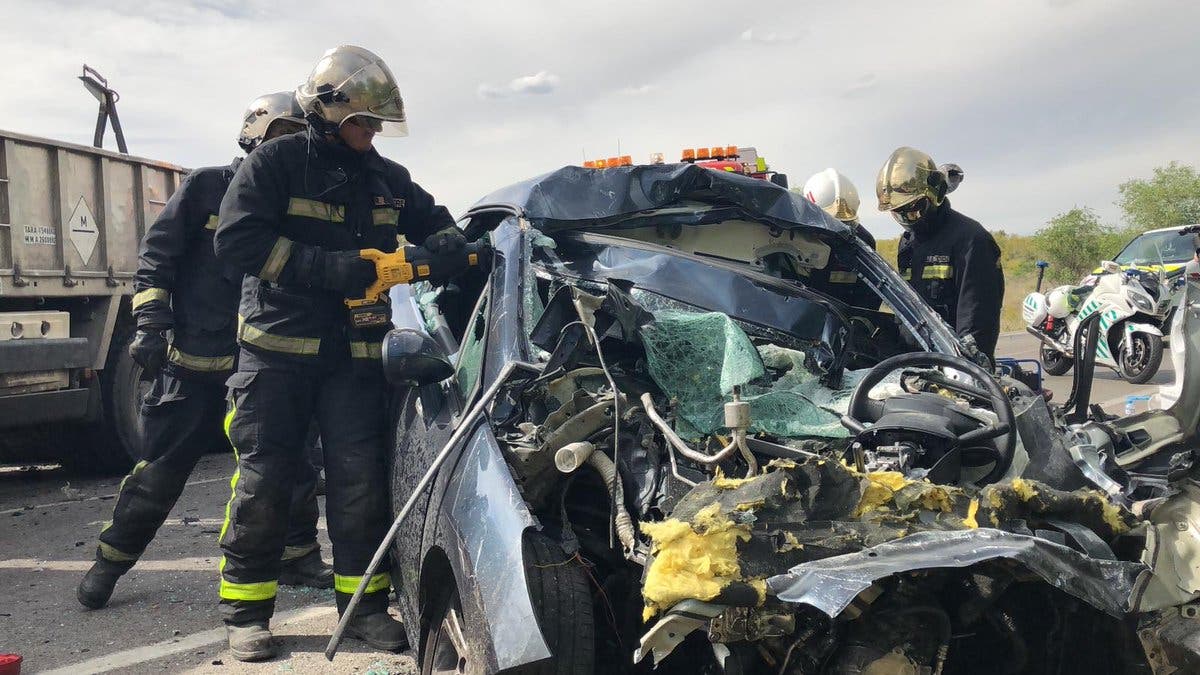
{"x": 863, "y": 410}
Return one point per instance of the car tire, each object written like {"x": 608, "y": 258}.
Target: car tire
{"x": 1153, "y": 347}
{"x": 1055, "y": 362}
{"x": 562, "y": 602}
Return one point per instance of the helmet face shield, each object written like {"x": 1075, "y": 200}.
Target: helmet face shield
{"x": 910, "y": 214}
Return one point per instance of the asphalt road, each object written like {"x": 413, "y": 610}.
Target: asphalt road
{"x": 1108, "y": 389}
{"x": 163, "y": 615}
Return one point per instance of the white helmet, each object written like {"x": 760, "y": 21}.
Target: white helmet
{"x": 834, "y": 193}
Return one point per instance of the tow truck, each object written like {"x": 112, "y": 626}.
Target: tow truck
{"x": 734, "y": 159}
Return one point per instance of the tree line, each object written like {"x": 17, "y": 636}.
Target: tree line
{"x": 1076, "y": 241}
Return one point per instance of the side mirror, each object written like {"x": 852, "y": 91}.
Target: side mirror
{"x": 412, "y": 358}
{"x": 1110, "y": 267}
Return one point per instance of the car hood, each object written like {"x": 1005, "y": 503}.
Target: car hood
{"x": 573, "y": 197}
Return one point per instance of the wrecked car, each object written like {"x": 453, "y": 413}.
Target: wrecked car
{"x": 678, "y": 449}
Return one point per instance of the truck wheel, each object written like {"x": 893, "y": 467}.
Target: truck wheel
{"x": 1055, "y": 362}
{"x": 562, "y": 601}
{"x": 1145, "y": 360}
{"x": 116, "y": 444}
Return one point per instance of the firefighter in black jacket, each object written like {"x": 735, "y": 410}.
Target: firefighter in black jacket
{"x": 182, "y": 288}
{"x": 294, "y": 220}
{"x": 950, "y": 260}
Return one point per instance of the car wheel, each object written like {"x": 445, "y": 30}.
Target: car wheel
{"x": 1144, "y": 360}
{"x": 562, "y": 601}
{"x": 1055, "y": 362}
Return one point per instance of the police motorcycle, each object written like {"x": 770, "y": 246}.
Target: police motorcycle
{"x": 1131, "y": 306}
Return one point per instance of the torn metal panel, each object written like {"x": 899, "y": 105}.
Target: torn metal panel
{"x": 831, "y": 584}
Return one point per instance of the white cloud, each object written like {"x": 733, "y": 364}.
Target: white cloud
{"x": 540, "y": 83}
{"x": 768, "y": 38}
{"x": 639, "y": 90}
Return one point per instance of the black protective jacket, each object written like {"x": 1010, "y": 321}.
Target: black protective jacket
{"x": 954, "y": 264}
{"x": 181, "y": 285}
{"x": 299, "y": 192}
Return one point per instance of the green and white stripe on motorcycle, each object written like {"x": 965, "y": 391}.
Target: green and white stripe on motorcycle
{"x": 1107, "y": 319}
{"x": 1088, "y": 309}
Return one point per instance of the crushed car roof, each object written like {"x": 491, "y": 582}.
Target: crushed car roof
{"x": 573, "y": 196}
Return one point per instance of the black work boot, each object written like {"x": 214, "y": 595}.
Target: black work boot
{"x": 379, "y": 630}
{"x": 97, "y": 585}
{"x": 307, "y": 570}
{"x": 250, "y": 642}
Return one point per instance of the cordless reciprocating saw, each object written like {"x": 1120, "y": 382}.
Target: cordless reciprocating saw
{"x": 406, "y": 265}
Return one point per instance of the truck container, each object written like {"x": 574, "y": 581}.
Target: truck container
{"x": 71, "y": 220}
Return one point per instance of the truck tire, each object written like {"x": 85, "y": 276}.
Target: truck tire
{"x": 562, "y": 601}
{"x": 114, "y": 443}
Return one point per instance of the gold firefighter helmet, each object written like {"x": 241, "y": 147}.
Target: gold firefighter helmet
{"x": 907, "y": 176}
{"x": 268, "y": 116}
{"x": 351, "y": 81}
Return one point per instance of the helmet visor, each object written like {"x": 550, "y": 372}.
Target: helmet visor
{"x": 909, "y": 214}
{"x": 381, "y": 126}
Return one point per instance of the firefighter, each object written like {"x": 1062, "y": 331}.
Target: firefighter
{"x": 182, "y": 288}
{"x": 837, "y": 196}
{"x": 951, "y": 261}
{"x": 294, "y": 220}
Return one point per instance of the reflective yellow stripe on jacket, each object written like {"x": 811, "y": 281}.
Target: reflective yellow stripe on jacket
{"x": 276, "y": 343}
{"x": 204, "y": 364}
{"x": 311, "y": 208}
{"x": 276, "y": 259}
{"x": 149, "y": 295}
{"x": 385, "y": 216}
{"x": 937, "y": 272}
{"x": 366, "y": 350}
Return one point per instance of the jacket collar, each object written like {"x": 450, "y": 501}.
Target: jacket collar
{"x": 324, "y": 150}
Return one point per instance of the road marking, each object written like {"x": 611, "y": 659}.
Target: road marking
{"x": 139, "y": 655}
{"x": 97, "y": 498}
{"x": 177, "y": 565}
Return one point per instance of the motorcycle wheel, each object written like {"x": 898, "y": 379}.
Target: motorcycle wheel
{"x": 1145, "y": 360}
{"x": 1055, "y": 362}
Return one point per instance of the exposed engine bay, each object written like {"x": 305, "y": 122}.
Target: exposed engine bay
{"x": 754, "y": 491}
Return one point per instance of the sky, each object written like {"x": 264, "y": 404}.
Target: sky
{"x": 1046, "y": 104}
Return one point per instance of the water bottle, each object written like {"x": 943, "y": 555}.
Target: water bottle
{"x": 1131, "y": 402}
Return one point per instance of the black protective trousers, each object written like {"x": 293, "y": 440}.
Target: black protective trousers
{"x": 274, "y": 403}
{"x": 181, "y": 420}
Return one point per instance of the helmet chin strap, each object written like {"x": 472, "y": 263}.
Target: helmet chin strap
{"x": 320, "y": 124}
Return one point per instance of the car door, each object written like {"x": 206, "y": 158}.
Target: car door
{"x": 423, "y": 418}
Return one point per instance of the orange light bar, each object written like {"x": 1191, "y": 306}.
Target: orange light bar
{"x": 626, "y": 160}
{"x": 601, "y": 164}
{"x": 614, "y": 162}
{"x": 701, "y": 153}
{"x": 718, "y": 152}
{"x": 731, "y": 151}
{"x": 589, "y": 164}
{"x": 689, "y": 155}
